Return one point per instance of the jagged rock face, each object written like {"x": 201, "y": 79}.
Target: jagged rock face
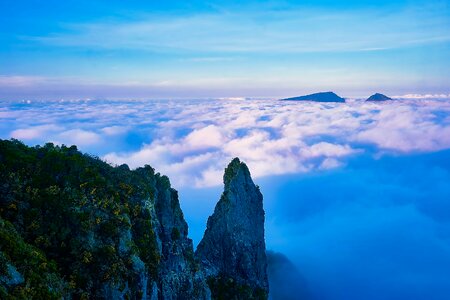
{"x": 178, "y": 276}
{"x": 233, "y": 246}
{"x": 74, "y": 227}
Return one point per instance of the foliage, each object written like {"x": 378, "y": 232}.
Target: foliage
{"x": 231, "y": 170}
{"x": 42, "y": 280}
{"x": 226, "y": 288}
{"x": 73, "y": 226}
{"x": 88, "y": 217}
{"x": 175, "y": 235}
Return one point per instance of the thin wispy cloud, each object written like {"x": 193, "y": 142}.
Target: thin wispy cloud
{"x": 297, "y": 30}
{"x": 19, "y": 81}
{"x": 229, "y": 49}
{"x": 210, "y": 59}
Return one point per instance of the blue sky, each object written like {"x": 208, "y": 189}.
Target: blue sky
{"x": 149, "y": 49}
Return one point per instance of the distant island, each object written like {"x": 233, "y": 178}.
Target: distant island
{"x": 378, "y": 97}
{"x": 318, "y": 97}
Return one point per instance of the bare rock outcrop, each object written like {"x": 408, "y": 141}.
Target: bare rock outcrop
{"x": 232, "y": 252}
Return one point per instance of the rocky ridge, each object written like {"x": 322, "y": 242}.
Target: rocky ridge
{"x": 318, "y": 97}
{"x": 233, "y": 246}
{"x": 72, "y": 226}
{"x": 378, "y": 97}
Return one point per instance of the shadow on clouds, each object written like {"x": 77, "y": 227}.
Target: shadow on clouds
{"x": 376, "y": 229}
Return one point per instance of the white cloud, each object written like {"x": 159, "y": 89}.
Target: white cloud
{"x": 407, "y": 128}
{"x": 327, "y": 149}
{"x": 330, "y": 163}
{"x": 148, "y": 154}
{"x": 34, "y": 132}
{"x": 114, "y": 130}
{"x": 20, "y": 81}
{"x": 210, "y": 177}
{"x": 262, "y": 29}
{"x": 206, "y": 137}
{"x": 79, "y": 137}
{"x": 192, "y": 141}
{"x": 424, "y": 96}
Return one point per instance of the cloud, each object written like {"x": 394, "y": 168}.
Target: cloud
{"x": 148, "y": 154}
{"x": 35, "y": 132}
{"x": 423, "y": 96}
{"x": 210, "y": 177}
{"x": 79, "y": 137}
{"x": 211, "y": 59}
{"x": 20, "y": 81}
{"x": 375, "y": 223}
{"x": 328, "y": 150}
{"x": 329, "y": 163}
{"x": 262, "y": 29}
{"x": 192, "y": 140}
{"x": 206, "y": 137}
{"x": 407, "y": 128}
{"x": 114, "y": 130}
{"x": 378, "y": 228}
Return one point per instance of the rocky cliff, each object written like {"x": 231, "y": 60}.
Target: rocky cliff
{"x": 232, "y": 251}
{"x": 179, "y": 276}
{"x": 72, "y": 226}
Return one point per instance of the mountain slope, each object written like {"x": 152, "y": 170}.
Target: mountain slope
{"x": 72, "y": 226}
{"x": 98, "y": 225}
{"x": 378, "y": 97}
{"x": 318, "y": 97}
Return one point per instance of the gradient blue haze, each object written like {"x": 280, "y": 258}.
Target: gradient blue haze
{"x": 375, "y": 230}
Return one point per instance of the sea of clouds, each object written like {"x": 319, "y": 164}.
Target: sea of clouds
{"x": 192, "y": 140}
{"x": 357, "y": 194}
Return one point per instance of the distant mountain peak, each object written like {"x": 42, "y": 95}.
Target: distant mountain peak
{"x": 378, "y": 97}
{"x": 318, "y": 97}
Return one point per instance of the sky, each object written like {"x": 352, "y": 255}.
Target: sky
{"x": 356, "y": 194}
{"x": 185, "y": 49}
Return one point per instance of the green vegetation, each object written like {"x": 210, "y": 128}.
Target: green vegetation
{"x": 175, "y": 235}
{"x": 75, "y": 227}
{"x": 225, "y": 288}
{"x": 231, "y": 170}
{"x": 71, "y": 224}
{"x": 42, "y": 278}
